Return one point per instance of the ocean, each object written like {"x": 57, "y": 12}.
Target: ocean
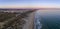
{"x": 47, "y": 19}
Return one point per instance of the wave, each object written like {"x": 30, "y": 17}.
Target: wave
{"x": 37, "y": 24}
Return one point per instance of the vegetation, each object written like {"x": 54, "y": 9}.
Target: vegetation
{"x": 6, "y": 16}
{"x": 16, "y": 22}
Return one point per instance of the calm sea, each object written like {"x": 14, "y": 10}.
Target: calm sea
{"x": 47, "y": 19}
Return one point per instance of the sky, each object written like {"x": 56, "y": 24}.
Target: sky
{"x": 29, "y": 3}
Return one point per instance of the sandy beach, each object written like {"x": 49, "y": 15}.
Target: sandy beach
{"x": 29, "y": 21}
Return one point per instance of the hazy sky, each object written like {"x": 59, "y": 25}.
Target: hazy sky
{"x": 30, "y": 3}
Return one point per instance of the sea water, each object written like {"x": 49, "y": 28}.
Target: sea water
{"x": 47, "y": 19}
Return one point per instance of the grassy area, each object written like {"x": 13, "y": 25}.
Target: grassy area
{"x": 16, "y": 23}
{"x": 5, "y": 16}
{"x": 11, "y": 23}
